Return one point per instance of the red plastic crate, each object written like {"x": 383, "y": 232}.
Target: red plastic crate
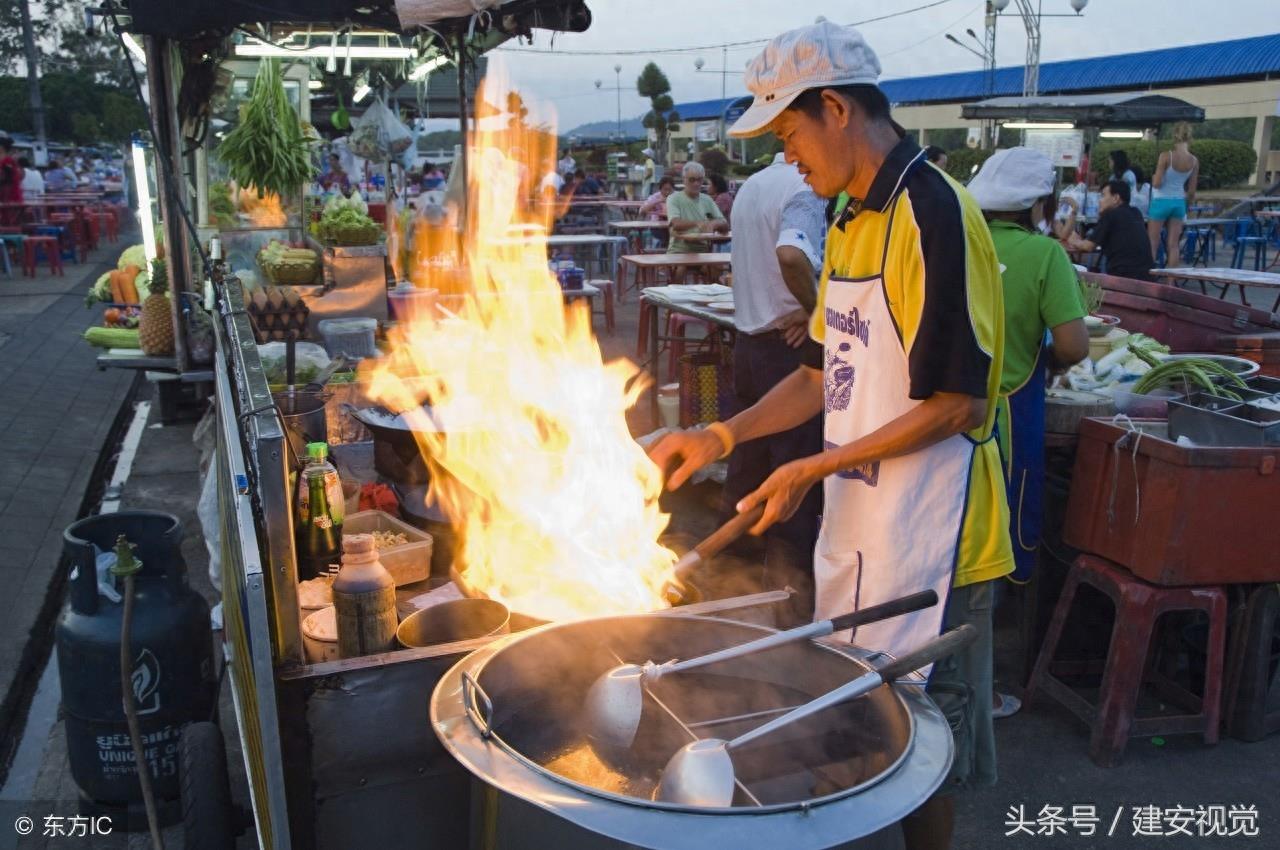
{"x": 1175, "y": 515}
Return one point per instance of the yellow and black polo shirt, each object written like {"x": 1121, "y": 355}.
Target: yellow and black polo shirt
{"x": 942, "y": 282}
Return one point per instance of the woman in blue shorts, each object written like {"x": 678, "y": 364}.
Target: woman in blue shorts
{"x": 1173, "y": 187}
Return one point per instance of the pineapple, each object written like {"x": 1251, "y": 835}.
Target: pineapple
{"x": 155, "y": 327}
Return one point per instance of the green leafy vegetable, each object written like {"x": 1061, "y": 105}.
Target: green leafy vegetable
{"x": 268, "y": 149}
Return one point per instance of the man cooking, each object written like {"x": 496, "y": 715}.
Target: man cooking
{"x": 905, "y": 361}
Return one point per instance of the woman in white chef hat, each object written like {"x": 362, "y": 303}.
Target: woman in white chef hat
{"x": 1041, "y": 293}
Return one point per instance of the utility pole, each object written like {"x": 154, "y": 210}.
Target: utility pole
{"x": 33, "y": 84}
{"x": 617, "y": 70}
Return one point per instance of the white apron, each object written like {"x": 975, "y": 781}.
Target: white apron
{"x": 892, "y": 527}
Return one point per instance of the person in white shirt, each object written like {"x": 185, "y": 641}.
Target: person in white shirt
{"x": 778, "y": 230}
{"x": 32, "y": 180}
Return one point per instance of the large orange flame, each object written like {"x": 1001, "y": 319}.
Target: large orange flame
{"x": 555, "y": 505}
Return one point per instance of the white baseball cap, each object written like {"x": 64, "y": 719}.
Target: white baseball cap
{"x": 1012, "y": 179}
{"x": 817, "y": 56}
{"x": 647, "y": 151}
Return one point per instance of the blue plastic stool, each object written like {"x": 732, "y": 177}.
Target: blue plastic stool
{"x": 60, "y": 232}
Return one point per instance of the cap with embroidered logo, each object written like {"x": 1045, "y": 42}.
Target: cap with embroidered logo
{"x": 817, "y": 56}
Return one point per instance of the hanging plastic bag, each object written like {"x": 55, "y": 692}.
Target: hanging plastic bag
{"x": 379, "y": 134}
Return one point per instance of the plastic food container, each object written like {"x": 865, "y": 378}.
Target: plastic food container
{"x": 1152, "y": 405}
{"x": 669, "y": 405}
{"x": 407, "y": 563}
{"x": 411, "y": 304}
{"x": 352, "y": 337}
{"x": 320, "y": 636}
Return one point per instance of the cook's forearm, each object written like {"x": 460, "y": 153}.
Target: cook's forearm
{"x": 795, "y": 400}
{"x": 938, "y": 417}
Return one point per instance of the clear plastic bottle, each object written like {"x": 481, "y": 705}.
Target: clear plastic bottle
{"x": 364, "y": 599}
{"x": 320, "y": 512}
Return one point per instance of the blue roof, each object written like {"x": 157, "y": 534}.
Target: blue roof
{"x": 1219, "y": 60}
{"x": 1239, "y": 58}
{"x": 707, "y": 108}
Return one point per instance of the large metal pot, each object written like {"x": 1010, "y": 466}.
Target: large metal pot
{"x": 511, "y": 714}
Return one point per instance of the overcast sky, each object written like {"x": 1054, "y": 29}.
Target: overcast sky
{"x": 909, "y": 45}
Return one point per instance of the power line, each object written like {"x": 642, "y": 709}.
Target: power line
{"x": 703, "y": 47}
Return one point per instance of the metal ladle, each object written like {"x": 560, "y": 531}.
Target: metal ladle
{"x": 701, "y": 773}
{"x": 615, "y": 701}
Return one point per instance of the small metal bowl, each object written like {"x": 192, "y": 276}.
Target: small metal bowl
{"x": 457, "y": 619}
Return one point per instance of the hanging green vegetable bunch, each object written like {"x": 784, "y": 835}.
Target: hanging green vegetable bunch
{"x": 268, "y": 149}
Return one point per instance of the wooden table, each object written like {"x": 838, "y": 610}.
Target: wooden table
{"x": 657, "y": 302}
{"x": 648, "y": 266}
{"x": 634, "y": 230}
{"x": 1226, "y": 278}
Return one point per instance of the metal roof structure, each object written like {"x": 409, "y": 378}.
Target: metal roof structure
{"x": 1219, "y": 61}
{"x": 1238, "y": 59}
{"x": 1119, "y": 109}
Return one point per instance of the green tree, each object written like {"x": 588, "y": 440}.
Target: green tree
{"x": 662, "y": 117}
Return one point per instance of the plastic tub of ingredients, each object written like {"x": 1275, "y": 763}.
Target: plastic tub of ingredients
{"x": 353, "y": 337}
{"x": 404, "y": 550}
{"x": 410, "y": 304}
{"x": 1150, "y": 405}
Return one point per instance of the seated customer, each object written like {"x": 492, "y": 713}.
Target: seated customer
{"x": 654, "y": 207}
{"x": 1120, "y": 233}
{"x": 692, "y": 213}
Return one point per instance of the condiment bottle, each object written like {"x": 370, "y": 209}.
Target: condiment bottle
{"x": 364, "y": 598}
{"x": 320, "y": 512}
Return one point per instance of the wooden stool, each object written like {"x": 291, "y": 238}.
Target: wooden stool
{"x": 52, "y": 251}
{"x": 1139, "y": 605}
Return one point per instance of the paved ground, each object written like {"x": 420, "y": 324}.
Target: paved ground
{"x": 165, "y": 476}
{"x": 58, "y": 409}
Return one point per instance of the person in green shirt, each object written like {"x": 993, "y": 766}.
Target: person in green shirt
{"x": 1041, "y": 293}
{"x": 691, "y": 212}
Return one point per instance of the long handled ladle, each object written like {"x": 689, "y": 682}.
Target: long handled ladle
{"x": 701, "y": 773}
{"x": 615, "y": 701}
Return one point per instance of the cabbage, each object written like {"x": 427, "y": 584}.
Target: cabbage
{"x": 134, "y": 255}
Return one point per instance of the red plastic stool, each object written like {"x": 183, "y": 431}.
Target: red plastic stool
{"x": 108, "y": 224}
{"x": 1139, "y": 605}
{"x": 676, "y": 324}
{"x": 52, "y": 251}
{"x": 607, "y": 294}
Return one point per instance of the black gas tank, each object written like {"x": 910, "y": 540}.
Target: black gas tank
{"x": 172, "y": 675}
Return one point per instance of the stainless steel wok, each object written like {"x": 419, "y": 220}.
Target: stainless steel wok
{"x": 511, "y": 713}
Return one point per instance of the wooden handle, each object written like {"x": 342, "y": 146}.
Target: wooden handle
{"x": 947, "y": 643}
{"x": 729, "y": 532}
{"x": 885, "y": 610}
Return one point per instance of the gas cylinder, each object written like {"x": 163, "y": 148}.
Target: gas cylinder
{"x": 173, "y": 676}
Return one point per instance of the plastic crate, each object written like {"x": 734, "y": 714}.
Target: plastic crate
{"x": 408, "y": 563}
{"x": 1174, "y": 515}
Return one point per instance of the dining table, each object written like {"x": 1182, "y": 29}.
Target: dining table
{"x": 647, "y": 269}
{"x": 1225, "y": 278}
